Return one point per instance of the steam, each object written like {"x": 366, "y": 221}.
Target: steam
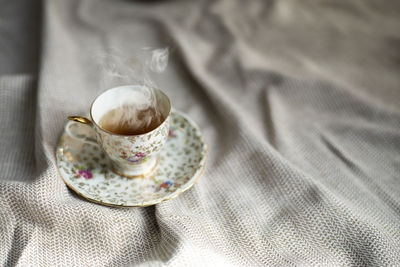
{"x": 159, "y": 60}
{"x": 121, "y": 69}
{"x": 138, "y": 110}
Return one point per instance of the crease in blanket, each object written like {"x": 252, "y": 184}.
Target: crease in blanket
{"x": 298, "y": 102}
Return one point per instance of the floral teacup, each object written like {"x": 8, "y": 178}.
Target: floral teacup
{"x": 131, "y": 155}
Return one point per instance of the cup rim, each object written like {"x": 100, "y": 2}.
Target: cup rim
{"x": 127, "y": 135}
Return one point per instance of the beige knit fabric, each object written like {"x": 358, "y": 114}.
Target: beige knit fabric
{"x": 298, "y": 101}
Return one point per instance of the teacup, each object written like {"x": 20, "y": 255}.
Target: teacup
{"x": 130, "y": 155}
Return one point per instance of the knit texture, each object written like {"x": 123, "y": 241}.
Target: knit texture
{"x": 298, "y": 102}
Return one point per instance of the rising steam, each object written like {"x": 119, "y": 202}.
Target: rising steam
{"x": 139, "y": 110}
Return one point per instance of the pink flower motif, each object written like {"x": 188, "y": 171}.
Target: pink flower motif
{"x": 134, "y": 158}
{"x": 85, "y": 173}
{"x": 171, "y": 133}
{"x": 140, "y": 155}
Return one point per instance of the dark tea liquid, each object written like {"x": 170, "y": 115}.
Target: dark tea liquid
{"x": 127, "y": 120}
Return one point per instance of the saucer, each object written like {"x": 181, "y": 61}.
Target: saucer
{"x": 86, "y": 169}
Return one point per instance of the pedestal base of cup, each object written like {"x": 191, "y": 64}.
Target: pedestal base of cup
{"x": 136, "y": 170}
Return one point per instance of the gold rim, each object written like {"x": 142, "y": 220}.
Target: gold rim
{"x": 129, "y": 135}
{"x": 199, "y": 171}
{"x": 130, "y": 206}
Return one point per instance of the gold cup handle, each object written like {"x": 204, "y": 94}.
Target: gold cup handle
{"x": 80, "y": 119}
{"x": 83, "y": 120}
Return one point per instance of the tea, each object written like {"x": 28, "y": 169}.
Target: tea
{"x": 128, "y": 120}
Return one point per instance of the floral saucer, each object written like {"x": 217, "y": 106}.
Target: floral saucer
{"x": 86, "y": 169}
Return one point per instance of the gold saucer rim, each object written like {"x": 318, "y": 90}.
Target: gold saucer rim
{"x": 197, "y": 174}
{"x": 144, "y": 205}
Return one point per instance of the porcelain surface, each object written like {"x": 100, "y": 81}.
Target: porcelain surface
{"x": 86, "y": 169}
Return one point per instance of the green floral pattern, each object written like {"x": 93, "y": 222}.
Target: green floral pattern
{"x": 132, "y": 151}
{"x": 86, "y": 168}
